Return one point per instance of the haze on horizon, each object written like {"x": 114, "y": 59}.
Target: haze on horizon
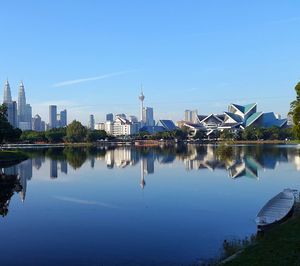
{"x": 91, "y": 56}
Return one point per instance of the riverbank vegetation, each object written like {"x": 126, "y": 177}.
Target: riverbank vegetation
{"x": 279, "y": 246}
{"x": 8, "y": 158}
{"x": 73, "y": 133}
{"x": 295, "y": 112}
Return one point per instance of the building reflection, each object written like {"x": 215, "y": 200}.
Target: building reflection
{"x": 53, "y": 169}
{"x": 246, "y": 161}
{"x": 64, "y": 166}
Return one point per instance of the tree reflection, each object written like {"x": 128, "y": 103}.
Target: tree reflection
{"x": 9, "y": 184}
{"x": 75, "y": 156}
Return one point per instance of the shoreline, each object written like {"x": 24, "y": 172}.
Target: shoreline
{"x": 140, "y": 143}
{"x": 269, "y": 250}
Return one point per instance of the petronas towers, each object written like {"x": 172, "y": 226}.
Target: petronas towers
{"x": 19, "y": 115}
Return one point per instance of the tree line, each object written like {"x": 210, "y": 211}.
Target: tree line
{"x": 73, "y": 133}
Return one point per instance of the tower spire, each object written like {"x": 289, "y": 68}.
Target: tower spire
{"x": 7, "y": 93}
{"x": 142, "y": 98}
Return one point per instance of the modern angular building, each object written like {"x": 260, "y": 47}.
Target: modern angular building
{"x": 238, "y": 117}
{"x": 242, "y": 116}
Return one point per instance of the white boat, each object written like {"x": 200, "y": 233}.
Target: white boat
{"x": 276, "y": 208}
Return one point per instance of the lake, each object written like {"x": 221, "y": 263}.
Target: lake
{"x": 136, "y": 206}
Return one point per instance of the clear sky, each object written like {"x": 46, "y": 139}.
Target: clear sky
{"x": 92, "y": 56}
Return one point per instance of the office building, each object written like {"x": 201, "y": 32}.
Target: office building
{"x": 91, "y": 124}
{"x": 52, "y": 116}
{"x": 11, "y": 113}
{"x": 100, "y": 126}
{"x": 190, "y": 116}
{"x": 110, "y": 117}
{"x": 63, "y": 118}
{"x": 148, "y": 116}
{"x": 37, "y": 123}
{"x": 24, "y": 110}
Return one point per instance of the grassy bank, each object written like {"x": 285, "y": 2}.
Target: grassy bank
{"x": 8, "y": 158}
{"x": 279, "y": 246}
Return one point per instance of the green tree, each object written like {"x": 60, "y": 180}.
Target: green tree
{"x": 227, "y": 135}
{"x": 7, "y": 132}
{"x": 295, "y": 111}
{"x": 76, "y": 132}
{"x": 94, "y": 135}
{"x": 55, "y": 135}
{"x": 248, "y": 133}
{"x": 200, "y": 134}
{"x": 33, "y": 136}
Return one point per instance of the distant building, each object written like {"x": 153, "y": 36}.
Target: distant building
{"x": 63, "y": 118}
{"x": 28, "y": 115}
{"x": 37, "y": 123}
{"x": 121, "y": 127}
{"x": 110, "y": 117}
{"x": 148, "y": 116}
{"x": 22, "y": 104}
{"x": 121, "y": 116}
{"x": 7, "y": 93}
{"x": 24, "y": 110}
{"x": 190, "y": 116}
{"x": 52, "y": 116}
{"x": 91, "y": 122}
{"x": 161, "y": 126}
{"x": 100, "y": 126}
{"x": 12, "y": 112}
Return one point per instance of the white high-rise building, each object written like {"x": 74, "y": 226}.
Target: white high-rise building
{"x": 190, "y": 116}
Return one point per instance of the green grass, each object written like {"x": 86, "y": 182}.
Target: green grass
{"x": 279, "y": 246}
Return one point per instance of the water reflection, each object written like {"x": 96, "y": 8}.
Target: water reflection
{"x": 246, "y": 161}
{"x": 115, "y": 205}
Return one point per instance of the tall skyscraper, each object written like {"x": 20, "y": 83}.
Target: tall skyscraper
{"x": 11, "y": 105}
{"x": 110, "y": 117}
{"x": 52, "y": 116}
{"x": 21, "y": 103}
{"x": 7, "y": 93}
{"x": 148, "y": 116}
{"x": 63, "y": 118}
{"x": 24, "y": 110}
{"x": 142, "y": 98}
{"x": 28, "y": 115}
{"x": 91, "y": 122}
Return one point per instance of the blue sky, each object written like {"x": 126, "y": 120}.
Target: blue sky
{"x": 92, "y": 56}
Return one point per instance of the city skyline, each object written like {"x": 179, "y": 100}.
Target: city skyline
{"x": 193, "y": 56}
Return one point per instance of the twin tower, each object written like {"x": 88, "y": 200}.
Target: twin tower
{"x": 19, "y": 114}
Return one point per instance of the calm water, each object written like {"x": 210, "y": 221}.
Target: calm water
{"x": 129, "y": 206}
